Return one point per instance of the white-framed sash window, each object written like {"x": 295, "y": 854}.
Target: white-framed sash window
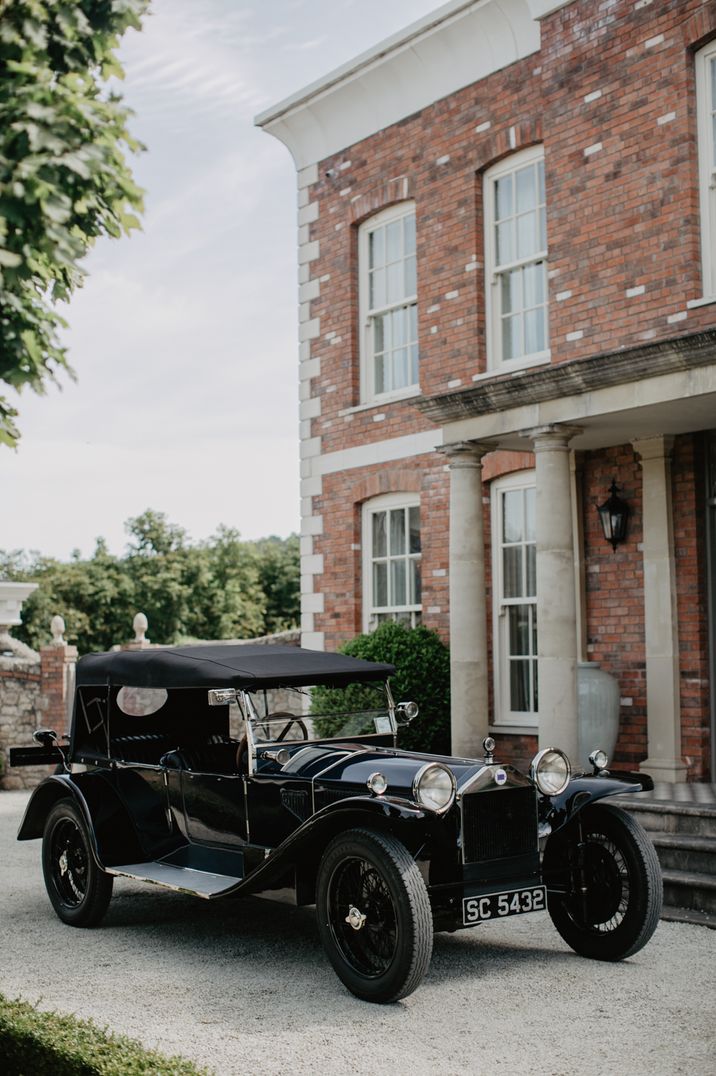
{"x": 514, "y": 558}
{"x": 391, "y": 560}
{"x": 388, "y": 304}
{"x": 706, "y": 111}
{"x": 516, "y": 261}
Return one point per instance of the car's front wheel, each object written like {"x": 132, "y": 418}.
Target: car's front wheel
{"x": 78, "y": 890}
{"x": 604, "y": 883}
{"x": 374, "y": 915}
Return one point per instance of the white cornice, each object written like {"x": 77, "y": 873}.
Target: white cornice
{"x": 455, "y": 46}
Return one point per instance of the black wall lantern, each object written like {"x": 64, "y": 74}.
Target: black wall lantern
{"x": 613, "y": 515}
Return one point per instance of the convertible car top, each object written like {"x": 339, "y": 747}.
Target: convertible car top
{"x": 246, "y": 666}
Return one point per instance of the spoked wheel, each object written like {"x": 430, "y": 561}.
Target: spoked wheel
{"x": 78, "y": 890}
{"x": 604, "y": 887}
{"x": 374, "y": 915}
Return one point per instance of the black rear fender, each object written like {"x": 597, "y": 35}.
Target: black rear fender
{"x": 111, "y": 832}
{"x": 581, "y": 791}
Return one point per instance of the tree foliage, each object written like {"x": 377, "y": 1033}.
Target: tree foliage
{"x": 64, "y": 178}
{"x": 223, "y": 588}
{"x": 422, "y": 675}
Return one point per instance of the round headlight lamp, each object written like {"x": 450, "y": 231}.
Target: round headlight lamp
{"x": 434, "y": 787}
{"x": 550, "y": 771}
{"x": 377, "y": 783}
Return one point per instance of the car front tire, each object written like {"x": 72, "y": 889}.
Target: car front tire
{"x": 78, "y": 890}
{"x": 374, "y": 915}
{"x": 621, "y": 907}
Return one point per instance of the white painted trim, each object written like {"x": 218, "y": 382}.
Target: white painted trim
{"x": 504, "y": 718}
{"x": 707, "y": 173}
{"x": 397, "y": 448}
{"x": 461, "y": 43}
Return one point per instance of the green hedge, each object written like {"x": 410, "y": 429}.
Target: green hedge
{"x": 34, "y": 1043}
{"x": 422, "y": 664}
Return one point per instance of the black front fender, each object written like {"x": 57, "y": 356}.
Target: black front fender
{"x": 583, "y": 790}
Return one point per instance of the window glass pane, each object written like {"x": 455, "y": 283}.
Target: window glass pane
{"x": 542, "y": 240}
{"x": 379, "y": 334}
{"x": 504, "y": 249}
{"x": 525, "y": 182}
{"x": 511, "y": 291}
{"x": 376, "y": 246}
{"x": 527, "y": 235}
{"x": 411, "y": 283}
{"x": 393, "y": 244}
{"x": 531, "y": 570}
{"x": 533, "y": 282}
{"x": 409, "y": 233}
{"x": 540, "y": 183}
{"x": 414, "y": 365}
{"x": 535, "y": 692}
{"x": 377, "y": 289}
{"x": 534, "y": 331}
{"x": 512, "y": 515}
{"x": 713, "y": 141}
{"x": 512, "y": 571}
{"x": 379, "y": 377}
{"x": 416, "y": 596}
{"x": 519, "y": 630}
{"x": 414, "y": 525}
{"x": 413, "y": 323}
{"x": 394, "y": 290}
{"x": 380, "y": 584}
{"x": 397, "y": 532}
{"x": 397, "y": 578}
{"x": 380, "y": 534}
{"x": 533, "y": 617}
{"x": 511, "y": 343}
{"x": 398, "y": 320}
{"x": 503, "y": 197}
{"x": 520, "y": 685}
{"x": 529, "y": 502}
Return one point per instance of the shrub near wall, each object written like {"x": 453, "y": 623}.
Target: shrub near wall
{"x": 36, "y": 1043}
{"x": 422, "y": 675}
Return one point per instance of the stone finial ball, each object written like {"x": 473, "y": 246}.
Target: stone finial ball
{"x": 140, "y": 625}
{"x": 57, "y": 627}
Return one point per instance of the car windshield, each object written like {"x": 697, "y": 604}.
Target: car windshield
{"x": 321, "y": 713}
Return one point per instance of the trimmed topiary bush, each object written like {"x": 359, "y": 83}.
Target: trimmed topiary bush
{"x": 422, "y": 664}
{"x": 50, "y": 1044}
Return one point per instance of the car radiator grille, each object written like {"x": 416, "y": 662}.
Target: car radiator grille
{"x": 499, "y": 824}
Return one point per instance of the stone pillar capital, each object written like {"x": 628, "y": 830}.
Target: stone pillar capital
{"x": 466, "y": 453}
{"x": 654, "y": 448}
{"x": 551, "y": 438}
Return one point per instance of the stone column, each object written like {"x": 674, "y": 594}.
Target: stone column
{"x": 661, "y": 628}
{"x": 57, "y": 678}
{"x": 468, "y": 606}
{"x": 557, "y": 632}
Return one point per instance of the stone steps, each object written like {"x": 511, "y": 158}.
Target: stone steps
{"x": 684, "y": 835}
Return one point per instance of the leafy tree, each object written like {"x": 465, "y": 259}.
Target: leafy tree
{"x": 64, "y": 179}
{"x": 422, "y": 674}
{"x": 279, "y": 574}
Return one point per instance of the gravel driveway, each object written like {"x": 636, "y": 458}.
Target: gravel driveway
{"x": 243, "y": 987}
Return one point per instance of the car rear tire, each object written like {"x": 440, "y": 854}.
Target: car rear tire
{"x": 623, "y": 899}
{"x": 374, "y": 915}
{"x": 78, "y": 890}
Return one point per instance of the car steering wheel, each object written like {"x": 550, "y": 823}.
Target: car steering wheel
{"x": 243, "y": 748}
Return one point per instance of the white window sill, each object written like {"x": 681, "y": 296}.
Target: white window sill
{"x": 382, "y": 401}
{"x": 706, "y": 301}
{"x": 515, "y": 730}
{"x": 514, "y": 371}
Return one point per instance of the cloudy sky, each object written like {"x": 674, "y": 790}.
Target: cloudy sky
{"x": 184, "y": 336}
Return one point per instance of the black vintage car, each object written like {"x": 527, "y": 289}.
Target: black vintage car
{"x": 390, "y": 845}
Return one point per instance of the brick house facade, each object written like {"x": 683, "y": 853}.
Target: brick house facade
{"x": 550, "y": 363}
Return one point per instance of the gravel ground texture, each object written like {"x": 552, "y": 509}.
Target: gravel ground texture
{"x": 243, "y": 987}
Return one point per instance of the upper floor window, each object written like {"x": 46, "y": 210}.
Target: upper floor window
{"x": 391, "y": 560}
{"x": 706, "y": 108}
{"x": 388, "y": 303}
{"x": 516, "y": 261}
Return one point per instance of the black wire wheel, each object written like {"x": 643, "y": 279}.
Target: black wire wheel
{"x": 604, "y": 888}
{"x": 78, "y": 890}
{"x": 374, "y": 915}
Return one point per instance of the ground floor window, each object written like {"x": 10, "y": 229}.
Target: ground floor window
{"x": 391, "y": 560}
{"x": 515, "y": 599}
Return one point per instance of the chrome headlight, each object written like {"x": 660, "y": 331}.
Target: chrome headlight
{"x": 550, "y": 771}
{"x": 434, "y": 787}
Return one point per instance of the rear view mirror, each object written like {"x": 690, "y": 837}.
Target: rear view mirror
{"x": 45, "y": 737}
{"x": 221, "y": 696}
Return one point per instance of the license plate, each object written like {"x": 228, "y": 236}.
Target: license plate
{"x": 500, "y": 905}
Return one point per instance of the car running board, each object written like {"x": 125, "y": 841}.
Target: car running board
{"x": 181, "y": 879}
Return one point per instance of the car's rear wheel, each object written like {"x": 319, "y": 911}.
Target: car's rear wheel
{"x": 604, "y": 883}
{"x": 78, "y": 890}
{"x": 374, "y": 915}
